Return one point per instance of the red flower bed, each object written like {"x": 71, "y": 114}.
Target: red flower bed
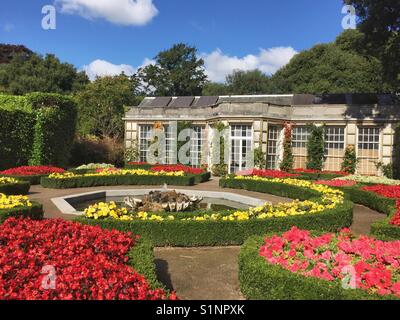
{"x": 373, "y": 265}
{"x": 300, "y": 170}
{"x": 177, "y": 167}
{"x": 384, "y": 190}
{"x": 32, "y": 170}
{"x": 272, "y": 174}
{"x": 88, "y": 263}
{"x": 336, "y": 183}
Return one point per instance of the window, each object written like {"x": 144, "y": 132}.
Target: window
{"x": 299, "y": 145}
{"x": 334, "y": 148}
{"x": 368, "y": 149}
{"x": 272, "y": 149}
{"x": 144, "y": 141}
{"x": 241, "y": 147}
{"x": 196, "y": 148}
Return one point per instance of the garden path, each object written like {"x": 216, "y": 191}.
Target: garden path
{"x": 198, "y": 273}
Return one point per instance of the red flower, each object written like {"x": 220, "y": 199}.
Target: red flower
{"x": 375, "y": 264}
{"x": 81, "y": 262}
{"x": 300, "y": 170}
{"x": 384, "y": 190}
{"x": 337, "y": 183}
{"x": 32, "y": 170}
{"x": 268, "y": 174}
{"x": 177, "y": 167}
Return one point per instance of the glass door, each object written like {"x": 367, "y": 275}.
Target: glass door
{"x": 241, "y": 147}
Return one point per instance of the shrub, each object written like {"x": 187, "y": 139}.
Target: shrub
{"x": 33, "y": 212}
{"x": 288, "y": 158}
{"x": 91, "y": 149}
{"x": 19, "y": 188}
{"x": 383, "y": 230}
{"x": 116, "y": 180}
{"x": 224, "y": 233}
{"x": 316, "y": 147}
{"x": 262, "y": 281}
{"x": 350, "y": 161}
{"x": 37, "y": 129}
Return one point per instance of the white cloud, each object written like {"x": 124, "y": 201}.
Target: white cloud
{"x": 218, "y": 65}
{"x": 101, "y": 68}
{"x": 122, "y": 12}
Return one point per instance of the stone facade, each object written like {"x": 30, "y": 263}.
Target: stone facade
{"x": 370, "y": 127}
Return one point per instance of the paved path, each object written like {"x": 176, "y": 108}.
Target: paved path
{"x": 197, "y": 273}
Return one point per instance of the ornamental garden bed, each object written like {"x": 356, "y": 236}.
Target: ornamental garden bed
{"x": 89, "y": 263}
{"x": 10, "y": 186}
{"x": 116, "y": 177}
{"x": 19, "y": 206}
{"x": 303, "y": 266}
{"x": 32, "y": 174}
{"x": 322, "y": 209}
{"x": 319, "y": 175}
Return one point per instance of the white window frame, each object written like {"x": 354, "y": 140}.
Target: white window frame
{"x": 233, "y": 138}
{"x": 379, "y": 143}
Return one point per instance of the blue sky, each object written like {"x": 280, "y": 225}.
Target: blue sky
{"x": 112, "y": 35}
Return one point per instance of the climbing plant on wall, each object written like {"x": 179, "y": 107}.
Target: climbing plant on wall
{"x": 288, "y": 159}
{"x": 349, "y": 163}
{"x": 316, "y": 147}
{"x": 220, "y": 169}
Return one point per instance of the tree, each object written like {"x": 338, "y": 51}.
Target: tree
{"x": 101, "y": 105}
{"x": 380, "y": 23}
{"x": 34, "y": 73}
{"x": 316, "y": 148}
{"x": 215, "y": 89}
{"x": 177, "y": 72}
{"x": 329, "y": 68}
{"x": 9, "y": 51}
{"x": 248, "y": 82}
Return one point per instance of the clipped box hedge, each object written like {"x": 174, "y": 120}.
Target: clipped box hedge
{"x": 223, "y": 233}
{"x": 95, "y": 181}
{"x": 141, "y": 259}
{"x": 34, "y": 212}
{"x": 32, "y": 179}
{"x": 318, "y": 176}
{"x": 274, "y": 188}
{"x": 145, "y": 166}
{"x": 20, "y": 188}
{"x": 383, "y": 230}
{"x": 260, "y": 280}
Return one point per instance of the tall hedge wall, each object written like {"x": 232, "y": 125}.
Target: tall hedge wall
{"x": 36, "y": 129}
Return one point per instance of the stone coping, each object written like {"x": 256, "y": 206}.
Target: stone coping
{"x": 65, "y": 204}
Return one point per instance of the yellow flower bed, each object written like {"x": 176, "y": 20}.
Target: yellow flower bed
{"x": 330, "y": 199}
{"x": 10, "y": 202}
{"x": 5, "y": 180}
{"x": 123, "y": 172}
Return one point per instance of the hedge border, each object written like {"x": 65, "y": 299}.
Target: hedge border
{"x": 259, "y": 280}
{"x": 142, "y": 260}
{"x": 180, "y": 233}
{"x": 382, "y": 230}
{"x": 35, "y": 212}
{"x": 33, "y": 179}
{"x": 96, "y": 181}
{"x": 19, "y": 188}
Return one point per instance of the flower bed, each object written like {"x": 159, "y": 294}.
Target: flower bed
{"x": 319, "y": 175}
{"x": 89, "y": 263}
{"x": 94, "y": 166}
{"x": 32, "y": 174}
{"x": 384, "y": 190}
{"x": 300, "y": 265}
{"x": 371, "y": 180}
{"x": 271, "y": 174}
{"x": 111, "y": 177}
{"x": 200, "y": 174}
{"x": 139, "y": 165}
{"x": 11, "y": 186}
{"x": 19, "y": 206}
{"x": 321, "y": 208}
{"x": 336, "y": 183}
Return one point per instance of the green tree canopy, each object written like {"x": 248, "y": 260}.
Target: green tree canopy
{"x": 101, "y": 105}
{"x": 40, "y": 74}
{"x": 379, "y": 21}
{"x": 8, "y": 51}
{"x": 330, "y": 68}
{"x": 177, "y": 72}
